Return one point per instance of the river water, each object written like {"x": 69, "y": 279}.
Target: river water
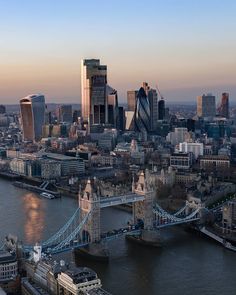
{"x": 186, "y": 264}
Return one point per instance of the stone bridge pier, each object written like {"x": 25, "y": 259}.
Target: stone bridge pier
{"x": 143, "y": 212}
{"x": 89, "y": 203}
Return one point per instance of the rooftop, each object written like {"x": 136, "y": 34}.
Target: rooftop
{"x": 59, "y": 157}
{"x": 98, "y": 291}
{"x": 214, "y": 157}
{"x": 180, "y": 154}
{"x": 6, "y": 257}
{"x": 81, "y": 274}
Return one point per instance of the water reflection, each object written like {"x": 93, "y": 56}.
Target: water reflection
{"x": 34, "y": 210}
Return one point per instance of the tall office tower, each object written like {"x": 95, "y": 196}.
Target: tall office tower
{"x": 206, "y": 105}
{"x": 131, "y": 99}
{"x": 153, "y": 102}
{"x": 121, "y": 119}
{"x": 48, "y": 118}
{"x": 224, "y": 105}
{"x": 142, "y": 113}
{"x": 161, "y": 109}
{"x": 2, "y": 109}
{"x": 65, "y": 113}
{"x": 32, "y": 110}
{"x": 112, "y": 106}
{"x": 191, "y": 125}
{"x": 75, "y": 116}
{"x": 93, "y": 91}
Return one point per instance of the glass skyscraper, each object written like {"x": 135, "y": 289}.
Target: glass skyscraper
{"x": 206, "y": 105}
{"x": 93, "y": 91}
{"x": 32, "y": 110}
{"x": 142, "y": 113}
{"x": 224, "y": 106}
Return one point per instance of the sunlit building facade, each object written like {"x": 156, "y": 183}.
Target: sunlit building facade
{"x": 131, "y": 99}
{"x": 206, "y": 105}
{"x": 112, "y": 107}
{"x": 224, "y": 105}
{"x": 65, "y": 113}
{"x": 93, "y": 91}
{"x": 32, "y": 110}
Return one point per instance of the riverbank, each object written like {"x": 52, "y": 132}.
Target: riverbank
{"x": 35, "y": 189}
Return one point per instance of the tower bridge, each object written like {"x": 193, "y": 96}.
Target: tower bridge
{"x": 84, "y": 227}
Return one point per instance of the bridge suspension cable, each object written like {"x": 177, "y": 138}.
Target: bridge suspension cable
{"x": 61, "y": 233}
{"x": 169, "y": 218}
{"x": 66, "y": 242}
{"x": 180, "y": 211}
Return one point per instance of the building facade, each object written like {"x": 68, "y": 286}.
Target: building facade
{"x": 142, "y": 113}
{"x": 224, "y": 106}
{"x": 78, "y": 281}
{"x": 206, "y": 105}
{"x": 131, "y": 99}
{"x": 93, "y": 91}
{"x": 65, "y": 113}
{"x": 161, "y": 109}
{"x": 9, "y": 280}
{"x": 180, "y": 161}
{"x": 32, "y": 110}
{"x": 152, "y": 98}
{"x": 192, "y": 147}
{"x": 112, "y": 107}
{"x": 214, "y": 161}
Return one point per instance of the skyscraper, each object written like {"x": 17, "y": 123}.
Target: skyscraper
{"x": 206, "y": 105}
{"x": 112, "y": 106}
{"x": 2, "y": 109}
{"x": 121, "y": 119}
{"x": 142, "y": 113}
{"x": 152, "y": 98}
{"x": 161, "y": 109}
{"x": 131, "y": 99}
{"x": 75, "y": 116}
{"x": 93, "y": 91}
{"x": 224, "y": 105}
{"x": 65, "y": 113}
{"x": 32, "y": 110}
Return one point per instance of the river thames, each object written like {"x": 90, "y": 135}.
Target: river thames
{"x": 186, "y": 264}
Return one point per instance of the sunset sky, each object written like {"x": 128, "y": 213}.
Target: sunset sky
{"x": 187, "y": 47}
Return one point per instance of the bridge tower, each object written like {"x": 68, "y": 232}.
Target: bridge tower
{"x": 143, "y": 210}
{"x": 89, "y": 201}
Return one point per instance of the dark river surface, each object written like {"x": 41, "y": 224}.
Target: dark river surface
{"x": 186, "y": 264}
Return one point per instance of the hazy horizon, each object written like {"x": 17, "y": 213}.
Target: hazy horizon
{"x": 186, "y": 47}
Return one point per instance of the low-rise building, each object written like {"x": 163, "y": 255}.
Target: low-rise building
{"x": 180, "y": 160}
{"x": 78, "y": 280}
{"x": 214, "y": 161}
{"x": 192, "y": 147}
{"x": 9, "y": 280}
{"x": 69, "y": 165}
{"x": 185, "y": 177}
{"x": 229, "y": 216}
{"x": 50, "y": 169}
{"x": 19, "y": 166}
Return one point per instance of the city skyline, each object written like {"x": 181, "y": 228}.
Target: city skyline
{"x": 185, "y": 48}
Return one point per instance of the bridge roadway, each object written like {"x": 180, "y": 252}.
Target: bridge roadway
{"x": 120, "y": 200}
{"x": 107, "y": 236}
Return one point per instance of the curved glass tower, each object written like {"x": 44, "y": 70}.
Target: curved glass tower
{"x": 32, "y": 109}
{"x": 142, "y": 113}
